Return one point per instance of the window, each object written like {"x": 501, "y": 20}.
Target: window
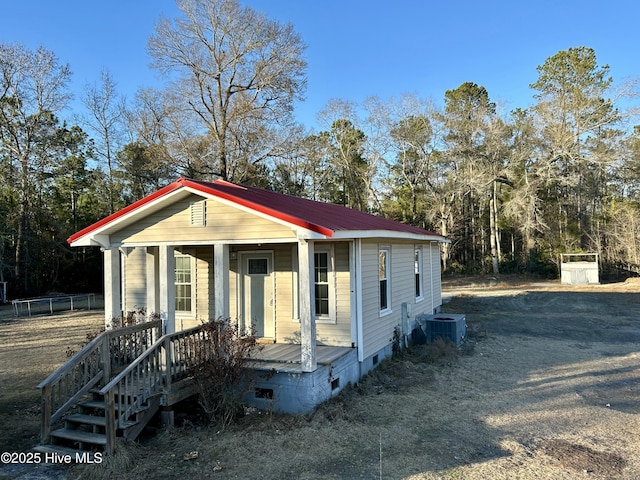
{"x": 183, "y": 278}
{"x": 384, "y": 269}
{"x": 258, "y": 266}
{"x": 418, "y": 271}
{"x": 321, "y": 283}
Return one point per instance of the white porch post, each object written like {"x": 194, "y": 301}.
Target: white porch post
{"x": 111, "y": 285}
{"x": 221, "y": 280}
{"x": 307, "y": 299}
{"x": 152, "y": 281}
{"x": 166, "y": 280}
{"x": 355, "y": 278}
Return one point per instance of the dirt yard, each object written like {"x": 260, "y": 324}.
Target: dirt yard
{"x": 547, "y": 386}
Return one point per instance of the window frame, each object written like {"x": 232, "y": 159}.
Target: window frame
{"x": 384, "y": 309}
{"x": 190, "y": 283}
{"x": 418, "y": 271}
{"x": 329, "y": 251}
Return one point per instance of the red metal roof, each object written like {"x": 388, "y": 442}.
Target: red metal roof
{"x": 320, "y": 217}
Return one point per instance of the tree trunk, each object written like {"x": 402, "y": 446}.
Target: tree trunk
{"x": 493, "y": 234}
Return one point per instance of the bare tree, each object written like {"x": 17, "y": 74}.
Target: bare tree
{"x": 33, "y": 87}
{"x": 106, "y": 110}
{"x": 234, "y": 68}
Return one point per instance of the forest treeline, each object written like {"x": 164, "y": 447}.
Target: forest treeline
{"x": 512, "y": 189}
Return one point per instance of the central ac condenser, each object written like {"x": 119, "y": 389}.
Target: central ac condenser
{"x": 447, "y": 326}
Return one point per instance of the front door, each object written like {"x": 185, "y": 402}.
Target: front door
{"x": 257, "y": 293}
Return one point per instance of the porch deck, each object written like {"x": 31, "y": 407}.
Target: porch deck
{"x": 286, "y": 357}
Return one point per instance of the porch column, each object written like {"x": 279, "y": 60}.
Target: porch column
{"x": 307, "y": 300}
{"x": 221, "y": 280}
{"x": 111, "y": 285}
{"x": 166, "y": 281}
{"x": 152, "y": 282}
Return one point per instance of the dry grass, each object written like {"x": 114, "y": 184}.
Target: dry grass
{"x": 546, "y": 387}
{"x": 31, "y": 349}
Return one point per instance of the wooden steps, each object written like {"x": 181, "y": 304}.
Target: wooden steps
{"x": 81, "y": 418}
{"x": 80, "y": 436}
{"x": 85, "y": 429}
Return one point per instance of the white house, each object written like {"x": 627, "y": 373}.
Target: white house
{"x": 329, "y": 289}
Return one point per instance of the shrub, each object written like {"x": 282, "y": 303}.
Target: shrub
{"x": 224, "y": 377}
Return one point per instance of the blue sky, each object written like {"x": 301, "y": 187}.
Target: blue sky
{"x": 355, "y": 48}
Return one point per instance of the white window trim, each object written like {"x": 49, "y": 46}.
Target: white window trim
{"x": 418, "y": 249}
{"x": 192, "y": 265}
{"x": 332, "y": 318}
{"x": 388, "y": 310}
{"x": 331, "y": 277}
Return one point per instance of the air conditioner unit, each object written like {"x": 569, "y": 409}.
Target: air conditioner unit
{"x": 448, "y": 326}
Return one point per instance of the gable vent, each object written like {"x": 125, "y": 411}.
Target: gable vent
{"x": 198, "y": 213}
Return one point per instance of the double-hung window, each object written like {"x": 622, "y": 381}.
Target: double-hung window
{"x": 183, "y": 282}
{"x": 384, "y": 277}
{"x": 417, "y": 267}
{"x": 321, "y": 283}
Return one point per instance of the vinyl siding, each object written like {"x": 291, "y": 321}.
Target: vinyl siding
{"x": 378, "y": 329}
{"x": 287, "y": 324}
{"x": 136, "y": 283}
{"x": 135, "y": 279}
{"x": 338, "y": 333}
{"x": 436, "y": 275}
{"x": 223, "y": 222}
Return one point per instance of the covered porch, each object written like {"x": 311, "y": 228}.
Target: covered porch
{"x": 268, "y": 286}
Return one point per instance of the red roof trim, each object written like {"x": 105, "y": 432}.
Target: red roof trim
{"x": 182, "y": 182}
{"x": 257, "y": 207}
{"x": 114, "y": 216}
{"x": 292, "y": 210}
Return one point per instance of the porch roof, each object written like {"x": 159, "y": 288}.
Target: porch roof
{"x": 326, "y": 219}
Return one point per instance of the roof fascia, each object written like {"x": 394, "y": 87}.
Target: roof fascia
{"x": 351, "y": 234}
{"x": 257, "y": 209}
{"x": 102, "y": 227}
{"x": 313, "y": 231}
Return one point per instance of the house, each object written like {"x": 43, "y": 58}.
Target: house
{"x": 327, "y": 288}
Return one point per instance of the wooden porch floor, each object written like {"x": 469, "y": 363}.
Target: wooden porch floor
{"x": 285, "y": 357}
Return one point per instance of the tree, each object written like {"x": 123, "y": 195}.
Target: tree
{"x": 412, "y": 172}
{"x": 469, "y": 121}
{"x": 577, "y": 123}
{"x": 33, "y": 87}
{"x": 523, "y": 204}
{"x": 235, "y": 69}
{"x": 106, "y": 120}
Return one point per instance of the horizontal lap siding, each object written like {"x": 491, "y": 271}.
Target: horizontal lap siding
{"x": 204, "y": 285}
{"x": 287, "y": 323}
{"x": 222, "y": 223}
{"x": 135, "y": 275}
{"x": 339, "y": 333}
{"x": 436, "y": 275}
{"x": 285, "y": 326}
{"x": 426, "y": 305}
{"x": 378, "y": 330}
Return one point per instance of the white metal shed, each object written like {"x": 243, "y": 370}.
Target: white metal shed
{"x": 579, "y": 268}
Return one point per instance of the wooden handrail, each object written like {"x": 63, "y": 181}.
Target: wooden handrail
{"x": 170, "y": 358}
{"x": 87, "y": 368}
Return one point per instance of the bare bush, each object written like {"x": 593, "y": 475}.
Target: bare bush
{"x": 224, "y": 377}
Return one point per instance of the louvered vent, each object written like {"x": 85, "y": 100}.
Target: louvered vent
{"x": 198, "y": 212}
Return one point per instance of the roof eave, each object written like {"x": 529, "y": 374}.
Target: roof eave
{"x": 392, "y": 234}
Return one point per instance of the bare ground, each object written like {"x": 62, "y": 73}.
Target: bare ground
{"x": 547, "y": 386}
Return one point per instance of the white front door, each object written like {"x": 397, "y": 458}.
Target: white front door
{"x": 256, "y": 296}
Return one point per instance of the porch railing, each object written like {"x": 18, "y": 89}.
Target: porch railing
{"x": 169, "y": 359}
{"x": 94, "y": 363}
